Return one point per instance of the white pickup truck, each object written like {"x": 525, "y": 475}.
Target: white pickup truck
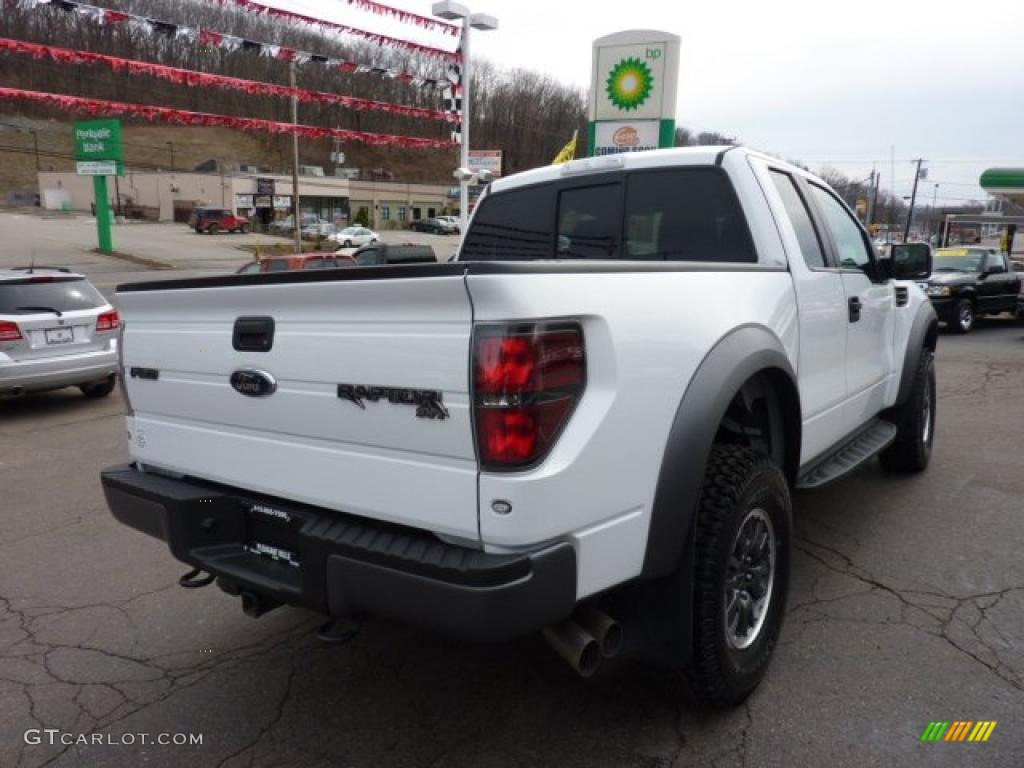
{"x": 589, "y": 423}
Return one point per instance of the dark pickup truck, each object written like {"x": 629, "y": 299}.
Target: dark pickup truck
{"x": 971, "y": 281}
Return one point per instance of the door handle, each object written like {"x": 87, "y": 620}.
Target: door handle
{"x": 253, "y": 334}
{"x": 855, "y": 307}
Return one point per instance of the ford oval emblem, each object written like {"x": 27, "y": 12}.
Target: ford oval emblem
{"x": 253, "y": 383}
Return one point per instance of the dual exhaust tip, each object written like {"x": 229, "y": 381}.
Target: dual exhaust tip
{"x": 585, "y": 639}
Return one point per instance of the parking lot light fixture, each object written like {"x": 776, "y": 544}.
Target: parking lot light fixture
{"x": 453, "y": 11}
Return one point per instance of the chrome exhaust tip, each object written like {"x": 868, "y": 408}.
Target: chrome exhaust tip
{"x": 606, "y": 630}
{"x": 573, "y": 643}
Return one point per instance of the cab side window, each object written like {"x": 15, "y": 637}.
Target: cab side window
{"x": 806, "y": 233}
{"x": 852, "y": 250}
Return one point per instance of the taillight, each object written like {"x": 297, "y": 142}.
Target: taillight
{"x": 527, "y": 379}
{"x": 9, "y": 331}
{"x": 108, "y": 321}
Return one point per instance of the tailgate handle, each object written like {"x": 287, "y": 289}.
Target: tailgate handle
{"x": 253, "y": 334}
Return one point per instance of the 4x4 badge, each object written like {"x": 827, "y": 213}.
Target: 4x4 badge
{"x": 429, "y": 402}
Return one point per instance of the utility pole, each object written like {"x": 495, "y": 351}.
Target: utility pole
{"x": 913, "y": 199}
{"x": 873, "y": 201}
{"x": 935, "y": 192}
{"x": 35, "y": 147}
{"x": 296, "y": 216}
{"x": 170, "y": 144}
{"x": 892, "y": 191}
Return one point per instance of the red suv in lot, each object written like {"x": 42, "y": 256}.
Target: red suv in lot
{"x": 214, "y": 220}
{"x": 297, "y": 262}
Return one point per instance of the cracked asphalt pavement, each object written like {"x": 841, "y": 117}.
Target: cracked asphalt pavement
{"x": 907, "y": 606}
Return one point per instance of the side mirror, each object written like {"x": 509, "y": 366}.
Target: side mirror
{"x": 911, "y": 261}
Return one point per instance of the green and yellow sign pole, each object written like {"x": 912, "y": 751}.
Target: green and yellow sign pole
{"x": 103, "y": 228}
{"x": 99, "y": 152}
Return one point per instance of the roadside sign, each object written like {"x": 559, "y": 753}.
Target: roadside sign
{"x": 96, "y": 168}
{"x": 485, "y": 160}
{"x": 99, "y": 140}
{"x": 612, "y": 137}
{"x": 99, "y": 152}
{"x": 633, "y": 88}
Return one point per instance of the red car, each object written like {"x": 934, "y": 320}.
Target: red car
{"x": 296, "y": 262}
{"x": 214, "y": 220}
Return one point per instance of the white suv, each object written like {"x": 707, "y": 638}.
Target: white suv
{"x": 56, "y": 330}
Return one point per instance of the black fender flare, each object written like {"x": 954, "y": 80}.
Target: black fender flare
{"x": 924, "y": 332}
{"x": 738, "y": 356}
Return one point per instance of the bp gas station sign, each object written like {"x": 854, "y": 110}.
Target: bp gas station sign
{"x": 633, "y": 92}
{"x": 99, "y": 152}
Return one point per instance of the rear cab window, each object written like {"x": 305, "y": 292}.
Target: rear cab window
{"x": 670, "y": 214}
{"x": 34, "y": 295}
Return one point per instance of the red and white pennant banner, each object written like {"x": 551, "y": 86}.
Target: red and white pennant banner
{"x": 146, "y": 25}
{"x": 373, "y": 37}
{"x": 192, "y": 78}
{"x": 425, "y": 22}
{"x": 94, "y": 107}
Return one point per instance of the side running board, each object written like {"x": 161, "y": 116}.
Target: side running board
{"x": 863, "y": 445}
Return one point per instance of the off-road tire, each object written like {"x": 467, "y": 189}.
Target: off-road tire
{"x": 958, "y": 320}
{"x": 737, "y": 482}
{"x": 915, "y": 422}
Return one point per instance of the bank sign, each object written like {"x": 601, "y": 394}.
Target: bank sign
{"x": 99, "y": 147}
{"x": 633, "y": 92}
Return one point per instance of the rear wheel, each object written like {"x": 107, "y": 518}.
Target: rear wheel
{"x": 741, "y": 574}
{"x": 98, "y": 389}
{"x": 963, "y": 316}
{"x": 213, "y": 229}
{"x": 244, "y": 229}
{"x": 915, "y": 422}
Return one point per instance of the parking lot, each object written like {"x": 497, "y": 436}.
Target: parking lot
{"x": 66, "y": 240}
{"x": 907, "y": 606}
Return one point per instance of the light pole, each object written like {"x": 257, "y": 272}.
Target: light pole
{"x": 447, "y": 9}
{"x": 935, "y": 192}
{"x": 170, "y": 144}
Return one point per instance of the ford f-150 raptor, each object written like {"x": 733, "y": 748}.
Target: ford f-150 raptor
{"x": 590, "y": 423}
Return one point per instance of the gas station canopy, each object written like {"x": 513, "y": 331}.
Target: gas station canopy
{"x": 1004, "y": 182}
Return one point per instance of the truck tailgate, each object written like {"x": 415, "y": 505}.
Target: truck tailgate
{"x": 376, "y": 454}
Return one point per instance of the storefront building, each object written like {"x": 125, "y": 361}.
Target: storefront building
{"x": 171, "y": 196}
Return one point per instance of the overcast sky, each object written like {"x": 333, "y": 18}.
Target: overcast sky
{"x": 826, "y": 83}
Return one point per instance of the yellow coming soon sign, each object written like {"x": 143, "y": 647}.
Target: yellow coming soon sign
{"x": 959, "y": 730}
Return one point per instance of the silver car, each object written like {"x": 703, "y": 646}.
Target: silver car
{"x": 56, "y": 330}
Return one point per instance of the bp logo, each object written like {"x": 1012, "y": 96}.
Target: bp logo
{"x": 629, "y": 84}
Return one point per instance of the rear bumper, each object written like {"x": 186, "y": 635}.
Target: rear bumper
{"x": 55, "y": 372}
{"x": 338, "y": 564}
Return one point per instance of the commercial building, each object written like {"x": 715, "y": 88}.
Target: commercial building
{"x": 171, "y": 196}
